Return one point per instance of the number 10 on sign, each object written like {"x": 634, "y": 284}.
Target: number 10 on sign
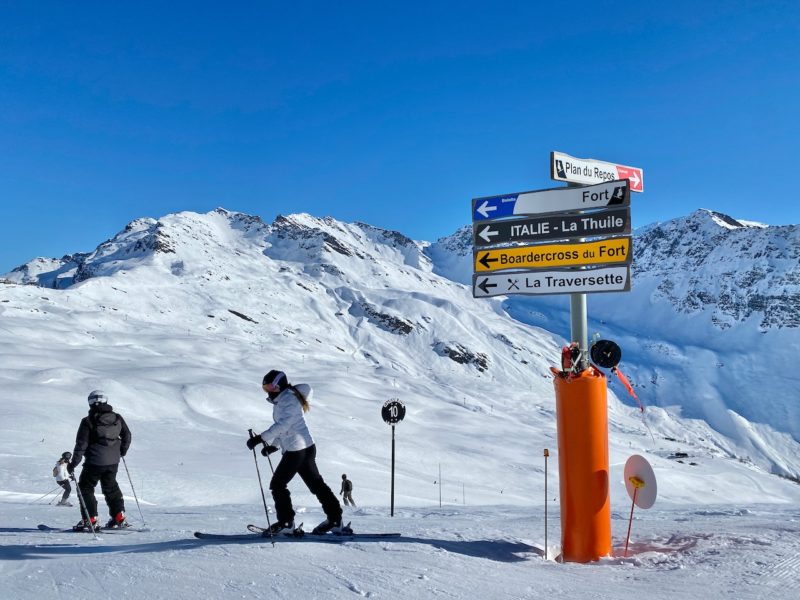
{"x": 393, "y": 412}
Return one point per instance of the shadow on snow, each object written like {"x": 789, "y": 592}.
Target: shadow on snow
{"x": 496, "y": 550}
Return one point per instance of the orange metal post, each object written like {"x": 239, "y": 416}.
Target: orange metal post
{"x": 582, "y": 414}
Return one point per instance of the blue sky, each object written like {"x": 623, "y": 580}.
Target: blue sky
{"x": 396, "y": 114}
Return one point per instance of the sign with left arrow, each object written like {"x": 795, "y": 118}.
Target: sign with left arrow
{"x": 612, "y": 194}
{"x": 536, "y": 283}
{"x": 545, "y": 256}
{"x": 554, "y": 227}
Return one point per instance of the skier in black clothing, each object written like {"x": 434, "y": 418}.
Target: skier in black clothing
{"x": 347, "y": 491}
{"x": 104, "y": 437}
{"x": 291, "y": 433}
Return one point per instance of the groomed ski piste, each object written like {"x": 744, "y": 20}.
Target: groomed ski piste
{"x": 692, "y": 551}
{"x": 157, "y": 332}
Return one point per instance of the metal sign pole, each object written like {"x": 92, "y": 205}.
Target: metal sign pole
{"x": 578, "y": 319}
{"x": 391, "y": 513}
{"x": 393, "y": 412}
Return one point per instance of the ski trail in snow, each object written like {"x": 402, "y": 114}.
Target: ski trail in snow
{"x": 785, "y": 574}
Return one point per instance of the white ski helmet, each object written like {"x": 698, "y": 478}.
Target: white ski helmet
{"x": 97, "y": 396}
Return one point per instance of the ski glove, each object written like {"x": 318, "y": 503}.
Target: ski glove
{"x": 254, "y": 441}
{"x": 268, "y": 449}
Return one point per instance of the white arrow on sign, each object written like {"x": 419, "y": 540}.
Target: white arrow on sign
{"x": 484, "y": 209}
{"x": 487, "y": 234}
{"x": 635, "y": 179}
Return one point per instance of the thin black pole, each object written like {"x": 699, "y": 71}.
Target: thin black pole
{"x": 84, "y": 510}
{"x": 391, "y": 514}
{"x": 546, "y": 455}
{"x": 440, "y": 485}
{"x": 261, "y": 487}
{"x": 135, "y": 497}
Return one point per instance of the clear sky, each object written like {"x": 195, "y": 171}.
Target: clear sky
{"x": 395, "y": 114}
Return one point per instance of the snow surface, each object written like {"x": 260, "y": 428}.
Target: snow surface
{"x": 177, "y": 319}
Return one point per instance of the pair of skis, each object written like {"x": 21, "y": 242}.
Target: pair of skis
{"x": 43, "y": 527}
{"x": 258, "y": 532}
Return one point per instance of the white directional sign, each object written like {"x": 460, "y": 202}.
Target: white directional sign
{"x": 564, "y": 167}
{"x": 604, "y": 195}
{"x": 534, "y": 283}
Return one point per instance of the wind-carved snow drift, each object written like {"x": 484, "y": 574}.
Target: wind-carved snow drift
{"x": 178, "y": 316}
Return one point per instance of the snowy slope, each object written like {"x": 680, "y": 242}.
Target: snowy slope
{"x": 179, "y": 318}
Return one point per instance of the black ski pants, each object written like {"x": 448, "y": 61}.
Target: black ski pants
{"x": 67, "y": 489}
{"x": 303, "y": 463}
{"x": 107, "y": 476}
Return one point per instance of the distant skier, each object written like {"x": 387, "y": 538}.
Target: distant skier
{"x": 347, "y": 491}
{"x": 61, "y": 474}
{"x": 104, "y": 437}
{"x": 290, "y": 432}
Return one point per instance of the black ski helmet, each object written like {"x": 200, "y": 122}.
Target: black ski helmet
{"x": 67, "y": 455}
{"x": 277, "y": 378}
{"x": 344, "y": 476}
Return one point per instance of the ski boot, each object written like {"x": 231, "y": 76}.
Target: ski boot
{"x": 333, "y": 526}
{"x": 84, "y": 525}
{"x": 118, "y": 521}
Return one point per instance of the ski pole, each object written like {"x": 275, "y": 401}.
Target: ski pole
{"x": 134, "y": 491}
{"x": 45, "y": 495}
{"x": 546, "y": 456}
{"x": 261, "y": 487}
{"x": 270, "y": 464}
{"x": 84, "y": 510}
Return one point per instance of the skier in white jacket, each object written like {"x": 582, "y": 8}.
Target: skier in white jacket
{"x": 290, "y": 432}
{"x": 62, "y": 477}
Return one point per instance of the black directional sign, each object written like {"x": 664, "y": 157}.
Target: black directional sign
{"x": 553, "y": 227}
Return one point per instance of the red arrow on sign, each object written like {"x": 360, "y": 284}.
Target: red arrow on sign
{"x": 635, "y": 176}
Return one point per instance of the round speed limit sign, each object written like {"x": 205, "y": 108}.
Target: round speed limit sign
{"x": 393, "y": 411}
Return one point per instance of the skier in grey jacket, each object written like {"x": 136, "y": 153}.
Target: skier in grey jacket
{"x": 290, "y": 432}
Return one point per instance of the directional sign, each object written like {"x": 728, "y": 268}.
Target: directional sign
{"x": 535, "y": 283}
{"x": 546, "y": 256}
{"x": 554, "y": 227}
{"x": 555, "y": 200}
{"x": 564, "y": 167}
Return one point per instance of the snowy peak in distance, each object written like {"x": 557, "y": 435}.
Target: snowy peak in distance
{"x": 328, "y": 241}
{"x": 188, "y": 242}
{"x": 733, "y": 270}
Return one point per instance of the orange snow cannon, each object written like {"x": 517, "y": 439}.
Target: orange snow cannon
{"x": 582, "y": 419}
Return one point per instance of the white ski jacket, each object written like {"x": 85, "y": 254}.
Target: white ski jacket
{"x": 60, "y": 471}
{"x": 289, "y": 432}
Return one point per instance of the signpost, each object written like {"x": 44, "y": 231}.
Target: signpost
{"x": 392, "y": 412}
{"x": 553, "y": 227}
{"x": 564, "y": 167}
{"x": 555, "y": 200}
{"x": 543, "y": 256}
{"x": 511, "y": 257}
{"x": 604, "y": 279}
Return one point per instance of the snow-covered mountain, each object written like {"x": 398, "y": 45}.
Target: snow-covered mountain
{"x": 178, "y": 318}
{"x": 710, "y": 329}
